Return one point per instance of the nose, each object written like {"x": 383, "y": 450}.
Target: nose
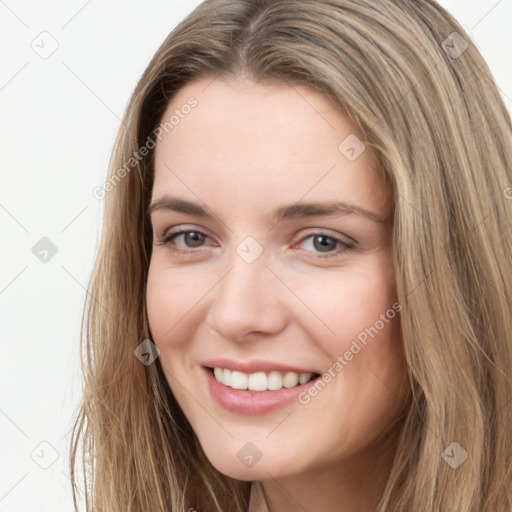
{"x": 248, "y": 301}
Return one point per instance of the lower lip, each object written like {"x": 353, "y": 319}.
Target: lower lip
{"x": 242, "y": 401}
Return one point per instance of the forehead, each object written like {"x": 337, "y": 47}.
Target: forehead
{"x": 275, "y": 143}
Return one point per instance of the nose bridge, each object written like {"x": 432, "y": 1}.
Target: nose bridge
{"x": 245, "y": 299}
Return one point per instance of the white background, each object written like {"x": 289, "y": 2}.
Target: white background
{"x": 59, "y": 117}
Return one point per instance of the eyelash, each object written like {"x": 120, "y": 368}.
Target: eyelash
{"x": 345, "y": 246}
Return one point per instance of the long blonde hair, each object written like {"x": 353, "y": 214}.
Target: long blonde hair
{"x": 410, "y": 77}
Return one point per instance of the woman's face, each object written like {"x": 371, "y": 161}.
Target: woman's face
{"x": 270, "y": 280}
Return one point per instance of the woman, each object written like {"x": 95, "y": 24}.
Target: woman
{"x": 302, "y": 297}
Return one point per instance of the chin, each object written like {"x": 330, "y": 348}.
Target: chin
{"x": 253, "y": 461}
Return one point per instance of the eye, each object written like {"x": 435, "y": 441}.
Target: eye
{"x": 327, "y": 245}
{"x": 192, "y": 239}
{"x": 323, "y": 244}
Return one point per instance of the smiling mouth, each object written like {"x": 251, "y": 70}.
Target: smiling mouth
{"x": 261, "y": 381}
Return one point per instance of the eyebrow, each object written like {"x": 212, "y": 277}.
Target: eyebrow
{"x": 292, "y": 211}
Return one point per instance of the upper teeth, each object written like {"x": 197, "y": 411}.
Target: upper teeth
{"x": 260, "y": 381}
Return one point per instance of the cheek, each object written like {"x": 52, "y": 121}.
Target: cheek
{"x": 158, "y": 299}
{"x": 348, "y": 306}
{"x": 171, "y": 301}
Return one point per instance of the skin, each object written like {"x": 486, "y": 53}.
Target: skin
{"x": 245, "y": 149}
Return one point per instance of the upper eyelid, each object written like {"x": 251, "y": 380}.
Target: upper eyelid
{"x": 330, "y": 231}
{"x": 315, "y": 232}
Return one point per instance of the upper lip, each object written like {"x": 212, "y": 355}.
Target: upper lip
{"x": 254, "y": 366}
